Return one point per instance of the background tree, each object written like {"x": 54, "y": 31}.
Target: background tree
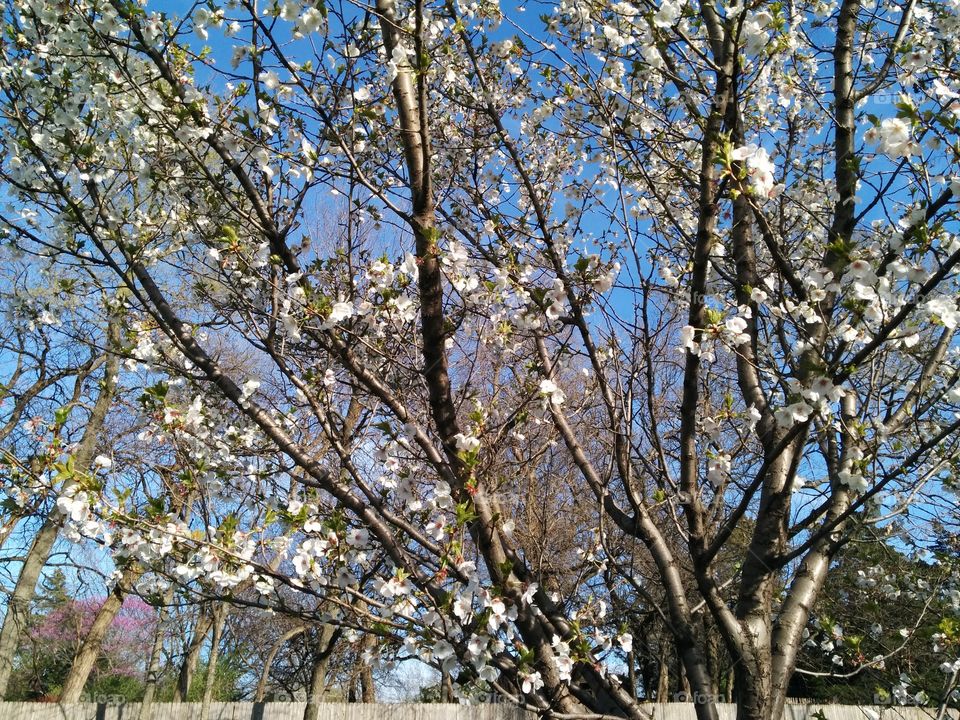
{"x": 60, "y": 627}
{"x": 702, "y": 213}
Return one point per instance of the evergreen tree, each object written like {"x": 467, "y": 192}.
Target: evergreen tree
{"x": 54, "y": 592}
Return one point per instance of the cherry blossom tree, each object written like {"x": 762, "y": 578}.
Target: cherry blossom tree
{"x": 693, "y": 265}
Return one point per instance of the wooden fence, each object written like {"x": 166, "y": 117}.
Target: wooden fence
{"x": 798, "y": 711}
{"x": 260, "y": 711}
{"x": 342, "y": 711}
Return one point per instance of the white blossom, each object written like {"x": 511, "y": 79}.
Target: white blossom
{"x": 552, "y": 391}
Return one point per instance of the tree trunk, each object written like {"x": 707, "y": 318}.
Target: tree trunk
{"x": 271, "y": 656}
{"x": 89, "y": 650}
{"x": 153, "y": 667}
{"x": 715, "y": 664}
{"x": 318, "y": 675}
{"x": 368, "y": 691}
{"x": 219, "y": 620}
{"x": 649, "y": 667}
{"x": 446, "y": 688}
{"x": 684, "y": 683}
{"x": 318, "y": 679}
{"x": 663, "y": 680}
{"x": 189, "y": 665}
{"x": 9, "y": 524}
{"x": 18, "y": 606}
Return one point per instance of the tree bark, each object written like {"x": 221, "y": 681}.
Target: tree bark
{"x": 7, "y": 527}
{"x": 318, "y": 675}
{"x": 271, "y": 656}
{"x": 153, "y": 667}
{"x": 446, "y": 687}
{"x": 89, "y": 650}
{"x": 189, "y": 665}
{"x": 219, "y": 620}
{"x": 663, "y": 679}
{"x": 368, "y": 691}
{"x": 18, "y": 606}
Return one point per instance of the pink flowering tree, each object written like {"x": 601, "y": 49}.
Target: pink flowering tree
{"x": 53, "y": 640}
{"x": 692, "y": 266}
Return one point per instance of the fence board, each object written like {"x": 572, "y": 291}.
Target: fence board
{"x": 344, "y": 711}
